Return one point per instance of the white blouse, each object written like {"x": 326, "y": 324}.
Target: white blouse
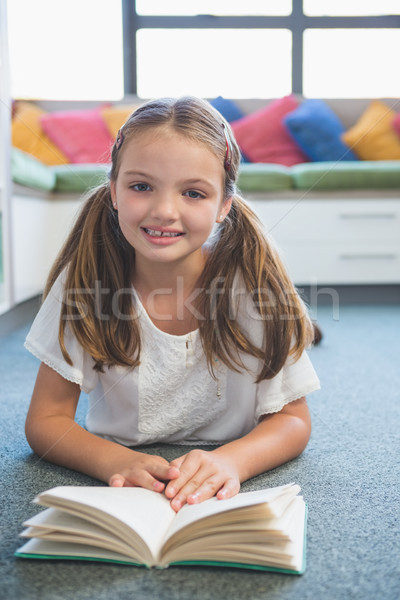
{"x": 171, "y": 397}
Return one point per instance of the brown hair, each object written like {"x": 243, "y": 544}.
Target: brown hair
{"x": 96, "y": 251}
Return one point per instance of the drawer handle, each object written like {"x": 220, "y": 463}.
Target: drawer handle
{"x": 368, "y": 256}
{"x": 367, "y": 216}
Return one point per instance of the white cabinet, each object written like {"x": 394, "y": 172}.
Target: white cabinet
{"x": 41, "y": 224}
{"x": 335, "y": 241}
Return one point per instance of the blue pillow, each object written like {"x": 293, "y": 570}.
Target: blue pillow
{"x": 228, "y": 109}
{"x": 231, "y": 112}
{"x": 317, "y": 130}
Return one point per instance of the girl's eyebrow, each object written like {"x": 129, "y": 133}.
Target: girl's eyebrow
{"x": 138, "y": 174}
{"x": 198, "y": 181}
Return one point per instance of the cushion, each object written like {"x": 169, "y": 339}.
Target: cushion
{"x": 396, "y": 124}
{"x": 27, "y": 170}
{"x": 27, "y": 135}
{"x": 263, "y": 137}
{"x": 79, "y": 178}
{"x": 115, "y": 116}
{"x": 228, "y": 109}
{"x": 82, "y": 135}
{"x": 373, "y": 136}
{"x": 263, "y": 177}
{"x": 347, "y": 175}
{"x": 317, "y": 130}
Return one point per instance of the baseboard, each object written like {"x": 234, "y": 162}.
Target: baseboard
{"x": 322, "y": 295}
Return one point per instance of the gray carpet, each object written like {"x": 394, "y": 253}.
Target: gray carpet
{"x": 349, "y": 474}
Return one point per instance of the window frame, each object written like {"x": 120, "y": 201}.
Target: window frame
{"x": 297, "y": 22}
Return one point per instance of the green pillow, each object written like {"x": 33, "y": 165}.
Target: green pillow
{"x": 29, "y": 171}
{"x": 347, "y": 175}
{"x": 264, "y": 177}
{"x": 79, "y": 177}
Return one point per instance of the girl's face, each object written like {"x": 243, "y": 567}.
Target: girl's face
{"x": 169, "y": 195}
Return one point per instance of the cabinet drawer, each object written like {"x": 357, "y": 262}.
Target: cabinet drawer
{"x": 330, "y": 264}
{"x": 330, "y": 220}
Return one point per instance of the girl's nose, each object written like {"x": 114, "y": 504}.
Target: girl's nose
{"x": 165, "y": 207}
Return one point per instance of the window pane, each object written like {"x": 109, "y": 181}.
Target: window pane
{"x": 351, "y": 63}
{"x": 214, "y": 7}
{"x": 235, "y": 63}
{"x": 66, "y": 50}
{"x": 351, "y": 8}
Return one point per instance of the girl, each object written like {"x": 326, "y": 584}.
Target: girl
{"x": 171, "y": 309}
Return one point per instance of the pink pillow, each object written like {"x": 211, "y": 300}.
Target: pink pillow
{"x": 81, "y": 135}
{"x": 263, "y": 137}
{"x": 396, "y": 123}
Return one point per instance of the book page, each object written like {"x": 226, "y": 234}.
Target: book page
{"x": 147, "y": 513}
{"x": 191, "y": 513}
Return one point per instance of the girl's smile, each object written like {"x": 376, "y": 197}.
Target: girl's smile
{"x": 161, "y": 235}
{"x": 169, "y": 194}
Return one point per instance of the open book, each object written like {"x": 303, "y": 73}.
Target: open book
{"x": 264, "y": 529}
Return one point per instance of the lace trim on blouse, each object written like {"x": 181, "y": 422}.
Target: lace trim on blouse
{"x": 62, "y": 369}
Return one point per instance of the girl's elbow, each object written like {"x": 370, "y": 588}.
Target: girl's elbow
{"x": 305, "y": 434}
{"x": 300, "y": 428}
{"x": 35, "y": 433}
{"x": 303, "y": 423}
{"x": 31, "y": 434}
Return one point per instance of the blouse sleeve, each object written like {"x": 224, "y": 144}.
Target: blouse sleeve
{"x": 42, "y": 341}
{"x": 296, "y": 379}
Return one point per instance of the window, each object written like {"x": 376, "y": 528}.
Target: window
{"x": 351, "y": 63}
{"x": 188, "y": 65}
{"x": 262, "y": 49}
{"x": 101, "y": 49}
{"x": 214, "y": 7}
{"x": 351, "y": 8}
{"x": 66, "y": 50}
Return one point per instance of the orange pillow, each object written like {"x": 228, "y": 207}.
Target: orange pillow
{"x": 373, "y": 136}
{"x": 27, "y": 135}
{"x": 115, "y": 116}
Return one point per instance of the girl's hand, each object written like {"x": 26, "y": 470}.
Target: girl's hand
{"x": 202, "y": 475}
{"x": 147, "y": 471}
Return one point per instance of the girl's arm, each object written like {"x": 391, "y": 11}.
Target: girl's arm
{"x": 278, "y": 438}
{"x": 54, "y": 435}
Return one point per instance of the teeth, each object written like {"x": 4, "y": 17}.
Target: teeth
{"x": 155, "y": 233}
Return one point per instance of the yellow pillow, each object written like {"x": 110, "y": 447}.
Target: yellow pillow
{"x": 115, "y": 116}
{"x": 27, "y": 135}
{"x": 373, "y": 136}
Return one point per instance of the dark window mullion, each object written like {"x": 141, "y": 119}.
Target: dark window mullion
{"x": 297, "y": 46}
{"x": 129, "y": 45}
{"x": 294, "y": 21}
{"x": 211, "y": 22}
{"x": 385, "y": 21}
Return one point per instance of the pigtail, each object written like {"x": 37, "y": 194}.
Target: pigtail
{"x": 97, "y": 302}
{"x": 243, "y": 248}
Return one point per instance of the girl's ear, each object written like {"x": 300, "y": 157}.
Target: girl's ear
{"x": 225, "y": 208}
{"x": 113, "y": 195}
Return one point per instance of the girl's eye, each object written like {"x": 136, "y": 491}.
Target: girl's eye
{"x": 140, "y": 187}
{"x": 193, "y": 194}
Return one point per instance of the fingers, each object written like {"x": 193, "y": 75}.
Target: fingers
{"x": 229, "y": 489}
{"x": 191, "y": 478}
{"x": 148, "y": 472}
{"x": 133, "y": 477}
{"x": 202, "y": 475}
{"x": 117, "y": 480}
